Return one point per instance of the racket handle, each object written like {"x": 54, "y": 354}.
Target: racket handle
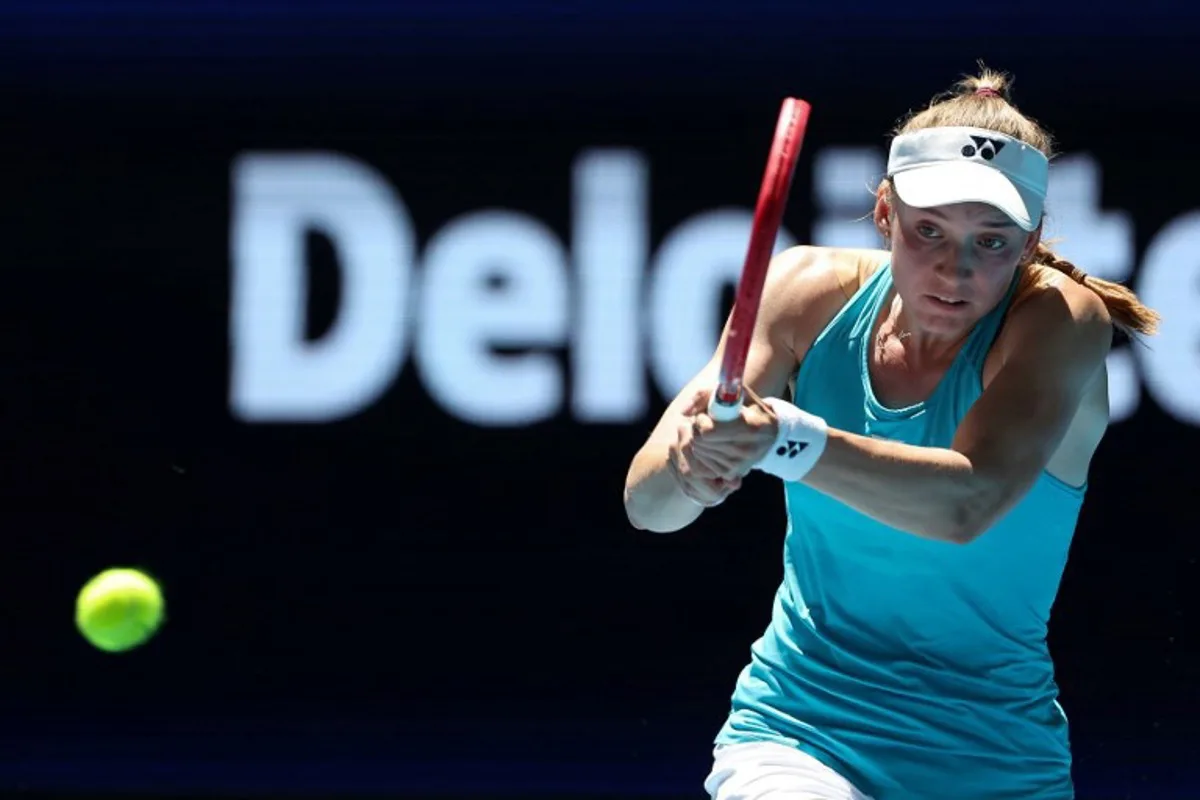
{"x": 722, "y": 412}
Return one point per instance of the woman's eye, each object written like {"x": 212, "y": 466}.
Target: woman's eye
{"x": 928, "y": 231}
{"x": 992, "y": 243}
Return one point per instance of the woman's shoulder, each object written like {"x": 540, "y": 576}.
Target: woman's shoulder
{"x": 1047, "y": 296}
{"x": 808, "y": 285}
{"x": 1049, "y": 309}
{"x": 809, "y": 270}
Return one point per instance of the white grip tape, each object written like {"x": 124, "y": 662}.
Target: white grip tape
{"x": 721, "y": 412}
{"x": 799, "y": 445}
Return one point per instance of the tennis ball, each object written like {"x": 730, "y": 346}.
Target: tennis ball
{"x": 119, "y": 609}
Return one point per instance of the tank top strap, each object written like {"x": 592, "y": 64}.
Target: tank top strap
{"x": 870, "y": 301}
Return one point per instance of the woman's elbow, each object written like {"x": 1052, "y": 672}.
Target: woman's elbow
{"x": 633, "y": 513}
{"x": 964, "y": 529}
{"x": 974, "y": 515}
{"x": 642, "y": 516}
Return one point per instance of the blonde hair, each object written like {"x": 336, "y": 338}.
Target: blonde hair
{"x": 983, "y": 101}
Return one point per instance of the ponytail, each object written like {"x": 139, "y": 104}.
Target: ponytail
{"x": 1128, "y": 313}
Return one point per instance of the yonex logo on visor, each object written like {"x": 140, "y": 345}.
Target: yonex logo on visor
{"x": 984, "y": 147}
{"x": 944, "y": 166}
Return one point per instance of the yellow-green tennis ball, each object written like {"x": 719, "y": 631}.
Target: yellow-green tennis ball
{"x": 119, "y": 609}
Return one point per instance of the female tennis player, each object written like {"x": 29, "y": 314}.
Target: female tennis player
{"x": 947, "y": 394}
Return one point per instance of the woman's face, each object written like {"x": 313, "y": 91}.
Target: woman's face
{"x": 951, "y": 264}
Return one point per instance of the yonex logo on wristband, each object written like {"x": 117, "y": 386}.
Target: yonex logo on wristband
{"x": 798, "y": 444}
{"x": 791, "y": 449}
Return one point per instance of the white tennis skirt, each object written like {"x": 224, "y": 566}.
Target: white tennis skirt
{"x": 771, "y": 771}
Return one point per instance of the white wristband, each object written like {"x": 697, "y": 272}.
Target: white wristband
{"x": 800, "y": 442}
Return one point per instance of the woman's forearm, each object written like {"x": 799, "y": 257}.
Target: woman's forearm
{"x": 930, "y": 492}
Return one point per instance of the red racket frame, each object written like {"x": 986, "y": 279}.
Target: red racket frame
{"x": 726, "y": 399}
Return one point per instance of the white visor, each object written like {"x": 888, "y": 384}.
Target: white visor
{"x": 943, "y": 166}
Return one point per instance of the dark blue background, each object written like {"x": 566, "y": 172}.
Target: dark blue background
{"x": 403, "y": 601}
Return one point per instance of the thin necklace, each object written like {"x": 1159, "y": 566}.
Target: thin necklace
{"x": 881, "y": 337}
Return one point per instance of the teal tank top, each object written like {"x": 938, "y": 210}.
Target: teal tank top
{"x": 917, "y": 669}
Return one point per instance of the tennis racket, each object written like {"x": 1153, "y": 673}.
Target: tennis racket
{"x": 726, "y": 401}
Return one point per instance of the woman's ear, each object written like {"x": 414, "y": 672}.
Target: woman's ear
{"x": 883, "y": 214}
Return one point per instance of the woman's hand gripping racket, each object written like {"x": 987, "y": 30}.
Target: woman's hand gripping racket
{"x": 726, "y": 401}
